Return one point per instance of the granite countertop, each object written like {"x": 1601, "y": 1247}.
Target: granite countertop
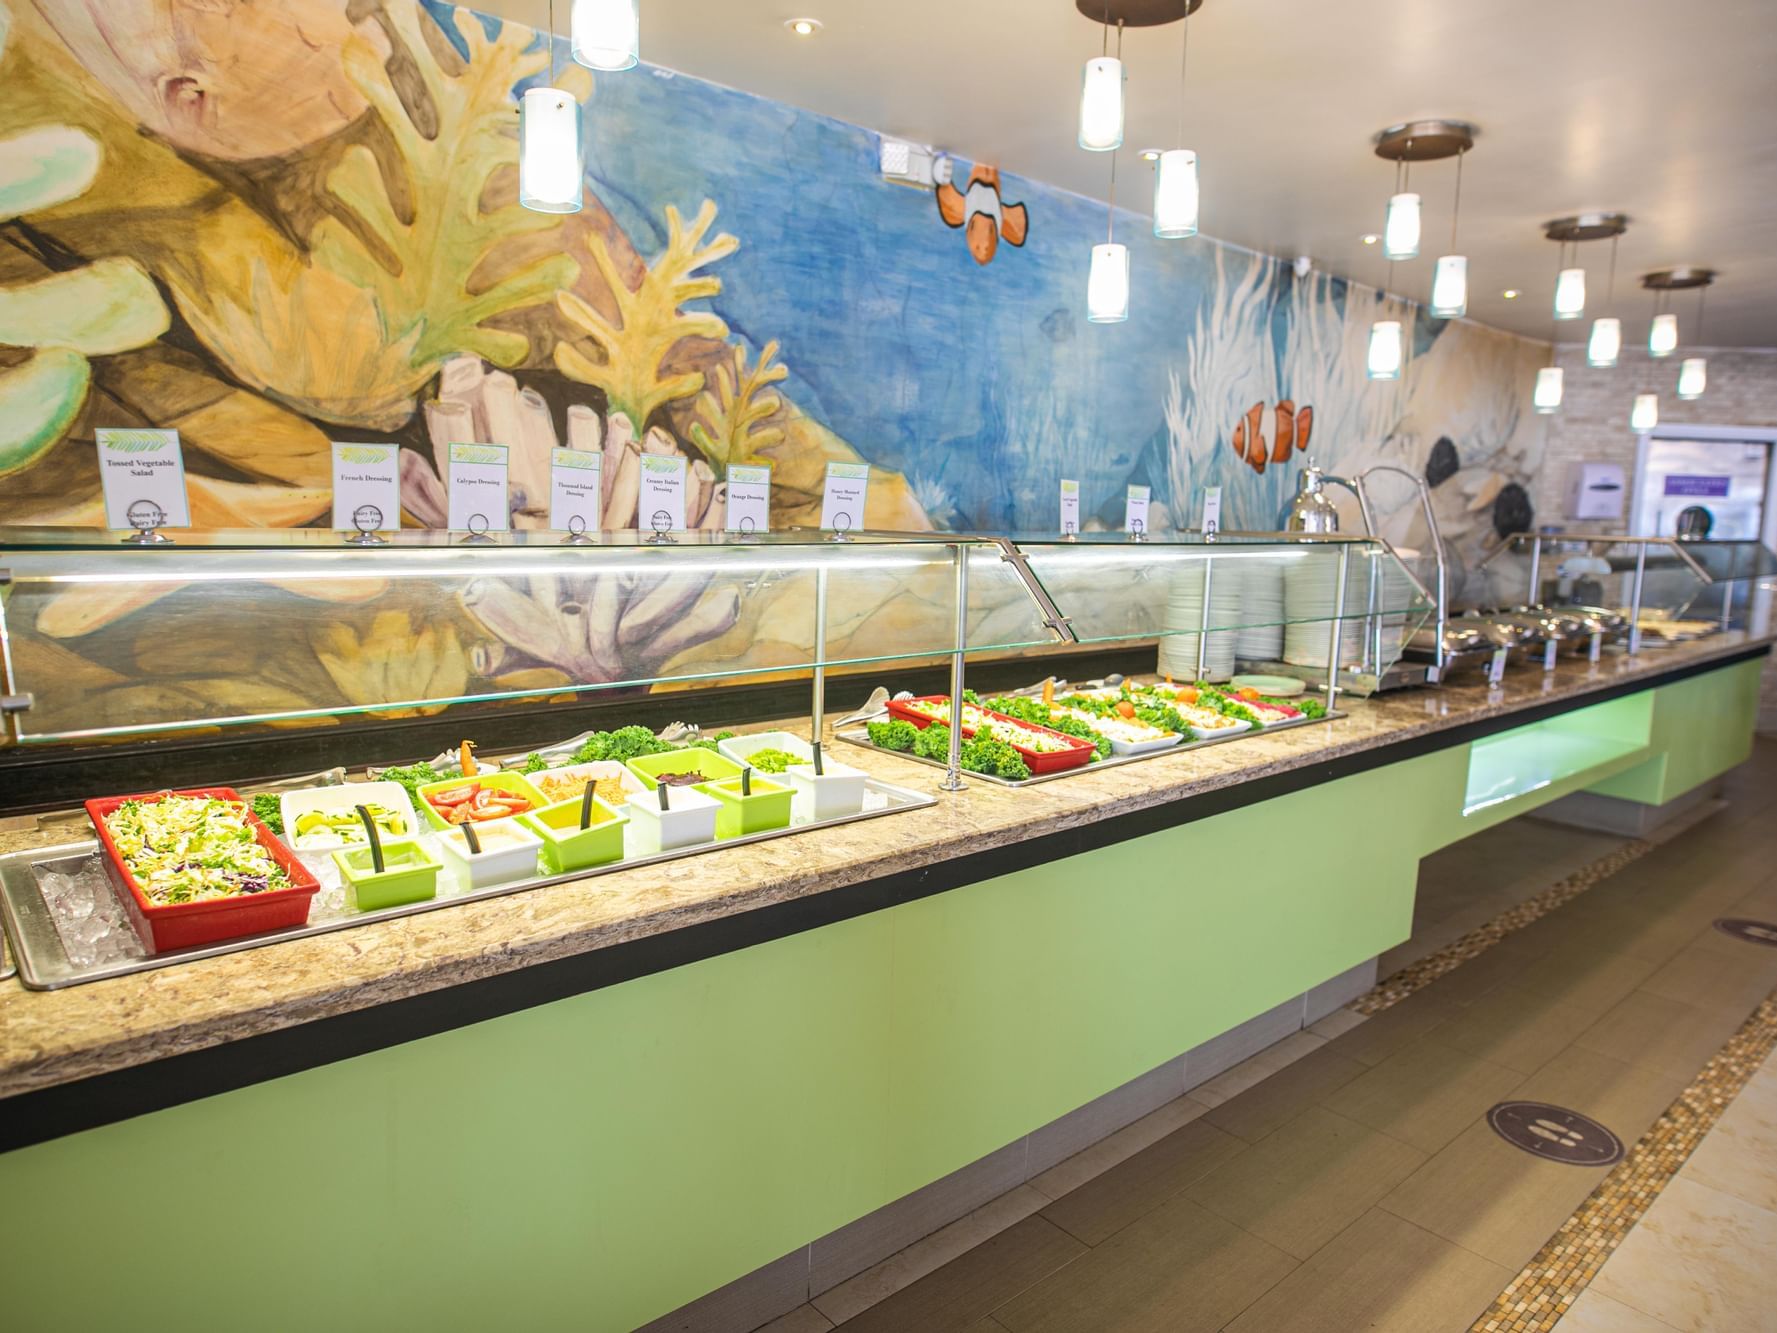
{"x": 55, "y": 1037}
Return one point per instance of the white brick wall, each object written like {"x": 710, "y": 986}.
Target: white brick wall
{"x": 1593, "y": 423}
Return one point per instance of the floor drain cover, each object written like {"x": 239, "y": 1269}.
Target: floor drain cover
{"x": 1555, "y": 1134}
{"x": 1753, "y": 932}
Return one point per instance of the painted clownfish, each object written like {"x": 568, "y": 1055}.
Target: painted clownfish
{"x": 979, "y": 211}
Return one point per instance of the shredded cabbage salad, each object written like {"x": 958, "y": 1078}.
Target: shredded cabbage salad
{"x": 187, "y": 849}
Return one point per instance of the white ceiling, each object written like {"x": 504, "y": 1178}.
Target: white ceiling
{"x": 1660, "y": 110}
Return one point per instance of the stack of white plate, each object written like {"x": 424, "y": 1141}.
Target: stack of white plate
{"x": 1261, "y": 582}
{"x": 1309, "y": 588}
{"x": 1184, "y": 611}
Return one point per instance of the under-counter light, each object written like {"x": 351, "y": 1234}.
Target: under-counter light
{"x": 1606, "y": 342}
{"x": 607, "y": 34}
{"x": 1385, "y": 355}
{"x": 1645, "y": 415}
{"x": 550, "y": 169}
{"x": 1547, "y": 396}
{"x": 1101, "y": 104}
{"x": 1693, "y": 378}
{"x": 1662, "y": 335}
{"x": 1449, "y": 287}
{"x": 1570, "y": 293}
{"x": 1400, "y": 232}
{"x": 803, "y": 27}
{"x": 1107, "y": 284}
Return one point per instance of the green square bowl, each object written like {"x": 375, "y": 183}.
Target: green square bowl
{"x": 409, "y": 875}
{"x": 515, "y": 783}
{"x": 715, "y": 767}
{"x": 567, "y": 846}
{"x": 767, "y": 808}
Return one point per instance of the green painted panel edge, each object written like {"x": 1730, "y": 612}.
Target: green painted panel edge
{"x": 1702, "y": 728}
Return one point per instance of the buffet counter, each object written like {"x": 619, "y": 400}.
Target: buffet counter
{"x": 822, "y": 1023}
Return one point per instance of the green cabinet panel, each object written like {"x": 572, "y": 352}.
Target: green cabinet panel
{"x": 1702, "y": 727}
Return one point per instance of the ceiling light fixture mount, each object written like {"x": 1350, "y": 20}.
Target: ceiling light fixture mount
{"x": 1428, "y": 140}
{"x": 1586, "y": 227}
{"x": 1677, "y": 279}
{"x": 1137, "y": 13}
{"x": 803, "y": 27}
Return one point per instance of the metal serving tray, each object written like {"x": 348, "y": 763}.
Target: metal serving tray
{"x": 33, "y": 926}
{"x": 858, "y": 736}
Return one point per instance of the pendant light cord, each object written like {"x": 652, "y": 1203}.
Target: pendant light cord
{"x": 1456, "y": 211}
{"x": 1110, "y": 221}
{"x": 1183, "y": 65}
{"x": 1610, "y": 283}
{"x": 552, "y": 43}
{"x": 1702, "y": 292}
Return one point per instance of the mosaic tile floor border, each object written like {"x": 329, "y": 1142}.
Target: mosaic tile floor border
{"x": 1552, "y": 1281}
{"x": 1417, "y": 976}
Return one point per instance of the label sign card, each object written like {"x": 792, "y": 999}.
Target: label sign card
{"x": 366, "y": 487}
{"x": 749, "y": 498}
{"x": 1212, "y": 510}
{"x": 1135, "y": 509}
{"x": 477, "y": 484}
{"x": 142, "y": 473}
{"x": 1070, "y": 507}
{"x": 576, "y": 477}
{"x": 842, "y": 506}
{"x": 661, "y": 507}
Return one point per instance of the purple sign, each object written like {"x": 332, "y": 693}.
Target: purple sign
{"x": 1699, "y": 487}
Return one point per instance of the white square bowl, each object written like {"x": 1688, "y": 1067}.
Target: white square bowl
{"x": 741, "y": 749}
{"x": 389, "y": 795}
{"x": 588, "y": 772}
{"x": 690, "y": 820}
{"x": 510, "y": 853}
{"x": 832, "y": 794}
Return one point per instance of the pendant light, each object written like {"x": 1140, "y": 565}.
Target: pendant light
{"x": 1645, "y": 415}
{"x": 1101, "y": 95}
{"x": 1546, "y": 397}
{"x": 1426, "y": 141}
{"x": 1386, "y": 355}
{"x": 1175, "y": 172}
{"x": 1107, "y": 281}
{"x": 607, "y": 34}
{"x": 551, "y": 170}
{"x": 1662, "y": 336}
{"x": 1570, "y": 291}
{"x": 1606, "y": 342}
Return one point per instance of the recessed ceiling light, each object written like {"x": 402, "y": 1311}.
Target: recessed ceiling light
{"x": 1510, "y": 293}
{"x": 1150, "y": 155}
{"x": 1370, "y": 238}
{"x": 803, "y": 27}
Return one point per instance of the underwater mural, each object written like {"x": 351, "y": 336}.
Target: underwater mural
{"x": 273, "y": 225}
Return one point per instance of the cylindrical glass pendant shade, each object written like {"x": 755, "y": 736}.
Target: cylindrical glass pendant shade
{"x": 1646, "y": 413}
{"x": 550, "y": 169}
{"x": 1175, "y": 194}
{"x": 1449, "y": 287}
{"x": 1662, "y": 336}
{"x": 607, "y": 34}
{"x": 1400, "y": 234}
{"x": 1101, "y": 104}
{"x": 1570, "y": 293}
{"x": 1384, "y": 359}
{"x": 1547, "y": 396}
{"x": 1693, "y": 378}
{"x": 1107, "y": 285}
{"x": 1605, "y": 343}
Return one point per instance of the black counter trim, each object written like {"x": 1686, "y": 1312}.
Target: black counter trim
{"x": 50, "y": 1113}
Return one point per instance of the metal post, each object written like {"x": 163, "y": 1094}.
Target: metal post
{"x": 1727, "y": 604}
{"x": 1203, "y": 624}
{"x": 1536, "y": 571}
{"x": 953, "y": 769}
{"x": 819, "y": 709}
{"x": 1635, "y": 601}
{"x": 1333, "y": 643}
{"x": 1373, "y": 618}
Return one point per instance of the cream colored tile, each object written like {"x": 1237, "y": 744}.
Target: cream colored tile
{"x": 877, "y": 1283}
{"x": 1258, "y": 1068}
{"x": 1337, "y": 1023}
{"x": 803, "y": 1319}
{"x": 1594, "y": 1312}
{"x": 1701, "y": 1260}
{"x": 1116, "y": 1148}
{"x": 1739, "y": 1155}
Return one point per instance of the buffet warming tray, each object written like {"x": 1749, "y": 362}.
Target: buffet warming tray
{"x": 34, "y": 923}
{"x": 860, "y": 737}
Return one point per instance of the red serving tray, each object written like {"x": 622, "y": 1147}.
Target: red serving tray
{"x": 1079, "y": 752}
{"x": 188, "y": 925}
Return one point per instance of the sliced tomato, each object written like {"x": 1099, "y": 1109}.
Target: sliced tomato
{"x": 455, "y": 795}
{"x": 492, "y": 810}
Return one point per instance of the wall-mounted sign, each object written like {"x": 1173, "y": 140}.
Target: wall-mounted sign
{"x": 1698, "y": 487}
{"x": 477, "y": 484}
{"x": 142, "y": 473}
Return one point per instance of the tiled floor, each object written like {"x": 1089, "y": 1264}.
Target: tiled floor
{"x": 1347, "y": 1179}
